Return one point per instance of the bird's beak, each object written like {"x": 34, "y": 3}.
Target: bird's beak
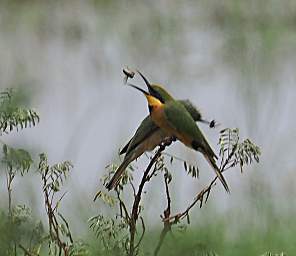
{"x": 152, "y": 100}
{"x": 140, "y": 89}
{"x": 150, "y": 88}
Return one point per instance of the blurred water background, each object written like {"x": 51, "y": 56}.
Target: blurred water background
{"x": 235, "y": 60}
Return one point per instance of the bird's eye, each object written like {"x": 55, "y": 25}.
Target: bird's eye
{"x": 158, "y": 96}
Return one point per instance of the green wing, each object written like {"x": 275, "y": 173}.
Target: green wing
{"x": 180, "y": 119}
{"x": 146, "y": 129}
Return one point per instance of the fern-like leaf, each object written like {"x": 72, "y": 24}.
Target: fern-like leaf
{"x": 13, "y": 116}
{"x": 16, "y": 159}
{"x": 54, "y": 175}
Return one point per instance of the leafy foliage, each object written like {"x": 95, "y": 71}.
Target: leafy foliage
{"x": 53, "y": 178}
{"x": 21, "y": 232}
{"x": 111, "y": 233}
{"x": 60, "y": 237}
{"x": 233, "y": 152}
{"x": 28, "y": 237}
{"x": 18, "y": 223}
{"x": 246, "y": 153}
{"x": 24, "y": 236}
{"x": 13, "y": 116}
{"x": 160, "y": 166}
{"x": 189, "y": 168}
{"x": 79, "y": 248}
{"x": 16, "y": 160}
{"x": 106, "y": 198}
{"x": 228, "y": 141}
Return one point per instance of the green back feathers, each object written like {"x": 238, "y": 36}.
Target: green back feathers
{"x": 179, "y": 118}
{"x": 193, "y": 111}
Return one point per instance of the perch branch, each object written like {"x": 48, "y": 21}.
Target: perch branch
{"x": 135, "y": 208}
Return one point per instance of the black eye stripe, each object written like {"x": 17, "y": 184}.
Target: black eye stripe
{"x": 157, "y": 95}
{"x": 160, "y": 98}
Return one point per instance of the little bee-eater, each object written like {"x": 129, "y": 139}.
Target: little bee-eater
{"x": 147, "y": 126}
{"x": 172, "y": 117}
{"x": 147, "y": 137}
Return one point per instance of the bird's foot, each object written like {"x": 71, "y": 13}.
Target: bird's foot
{"x": 168, "y": 141}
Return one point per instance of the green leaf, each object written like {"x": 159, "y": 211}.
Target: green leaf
{"x": 106, "y": 198}
{"x": 13, "y": 116}
{"x": 16, "y": 159}
{"x": 235, "y": 152}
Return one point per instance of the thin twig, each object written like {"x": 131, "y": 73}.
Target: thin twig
{"x": 52, "y": 219}
{"x": 69, "y": 235}
{"x": 26, "y": 252}
{"x": 200, "y": 196}
{"x": 143, "y": 232}
{"x": 57, "y": 203}
{"x": 133, "y": 188}
{"x": 135, "y": 207}
{"x": 122, "y": 206}
{"x": 166, "y": 223}
{"x": 155, "y": 169}
{"x": 9, "y": 180}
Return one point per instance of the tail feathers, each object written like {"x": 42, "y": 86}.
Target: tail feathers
{"x": 212, "y": 162}
{"x": 118, "y": 174}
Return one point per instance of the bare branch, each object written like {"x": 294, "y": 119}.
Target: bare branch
{"x": 135, "y": 207}
{"x": 166, "y": 221}
{"x": 143, "y": 232}
{"x": 122, "y": 206}
{"x": 26, "y": 252}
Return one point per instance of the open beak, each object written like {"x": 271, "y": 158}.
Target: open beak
{"x": 140, "y": 89}
{"x": 152, "y": 100}
{"x": 150, "y": 88}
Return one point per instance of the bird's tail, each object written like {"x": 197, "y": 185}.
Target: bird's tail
{"x": 118, "y": 174}
{"x": 212, "y": 162}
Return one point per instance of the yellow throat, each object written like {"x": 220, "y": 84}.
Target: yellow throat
{"x": 153, "y": 102}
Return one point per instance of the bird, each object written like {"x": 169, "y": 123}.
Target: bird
{"x": 173, "y": 118}
{"x": 148, "y": 136}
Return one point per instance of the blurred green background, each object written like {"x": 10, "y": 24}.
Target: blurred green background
{"x": 235, "y": 60}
